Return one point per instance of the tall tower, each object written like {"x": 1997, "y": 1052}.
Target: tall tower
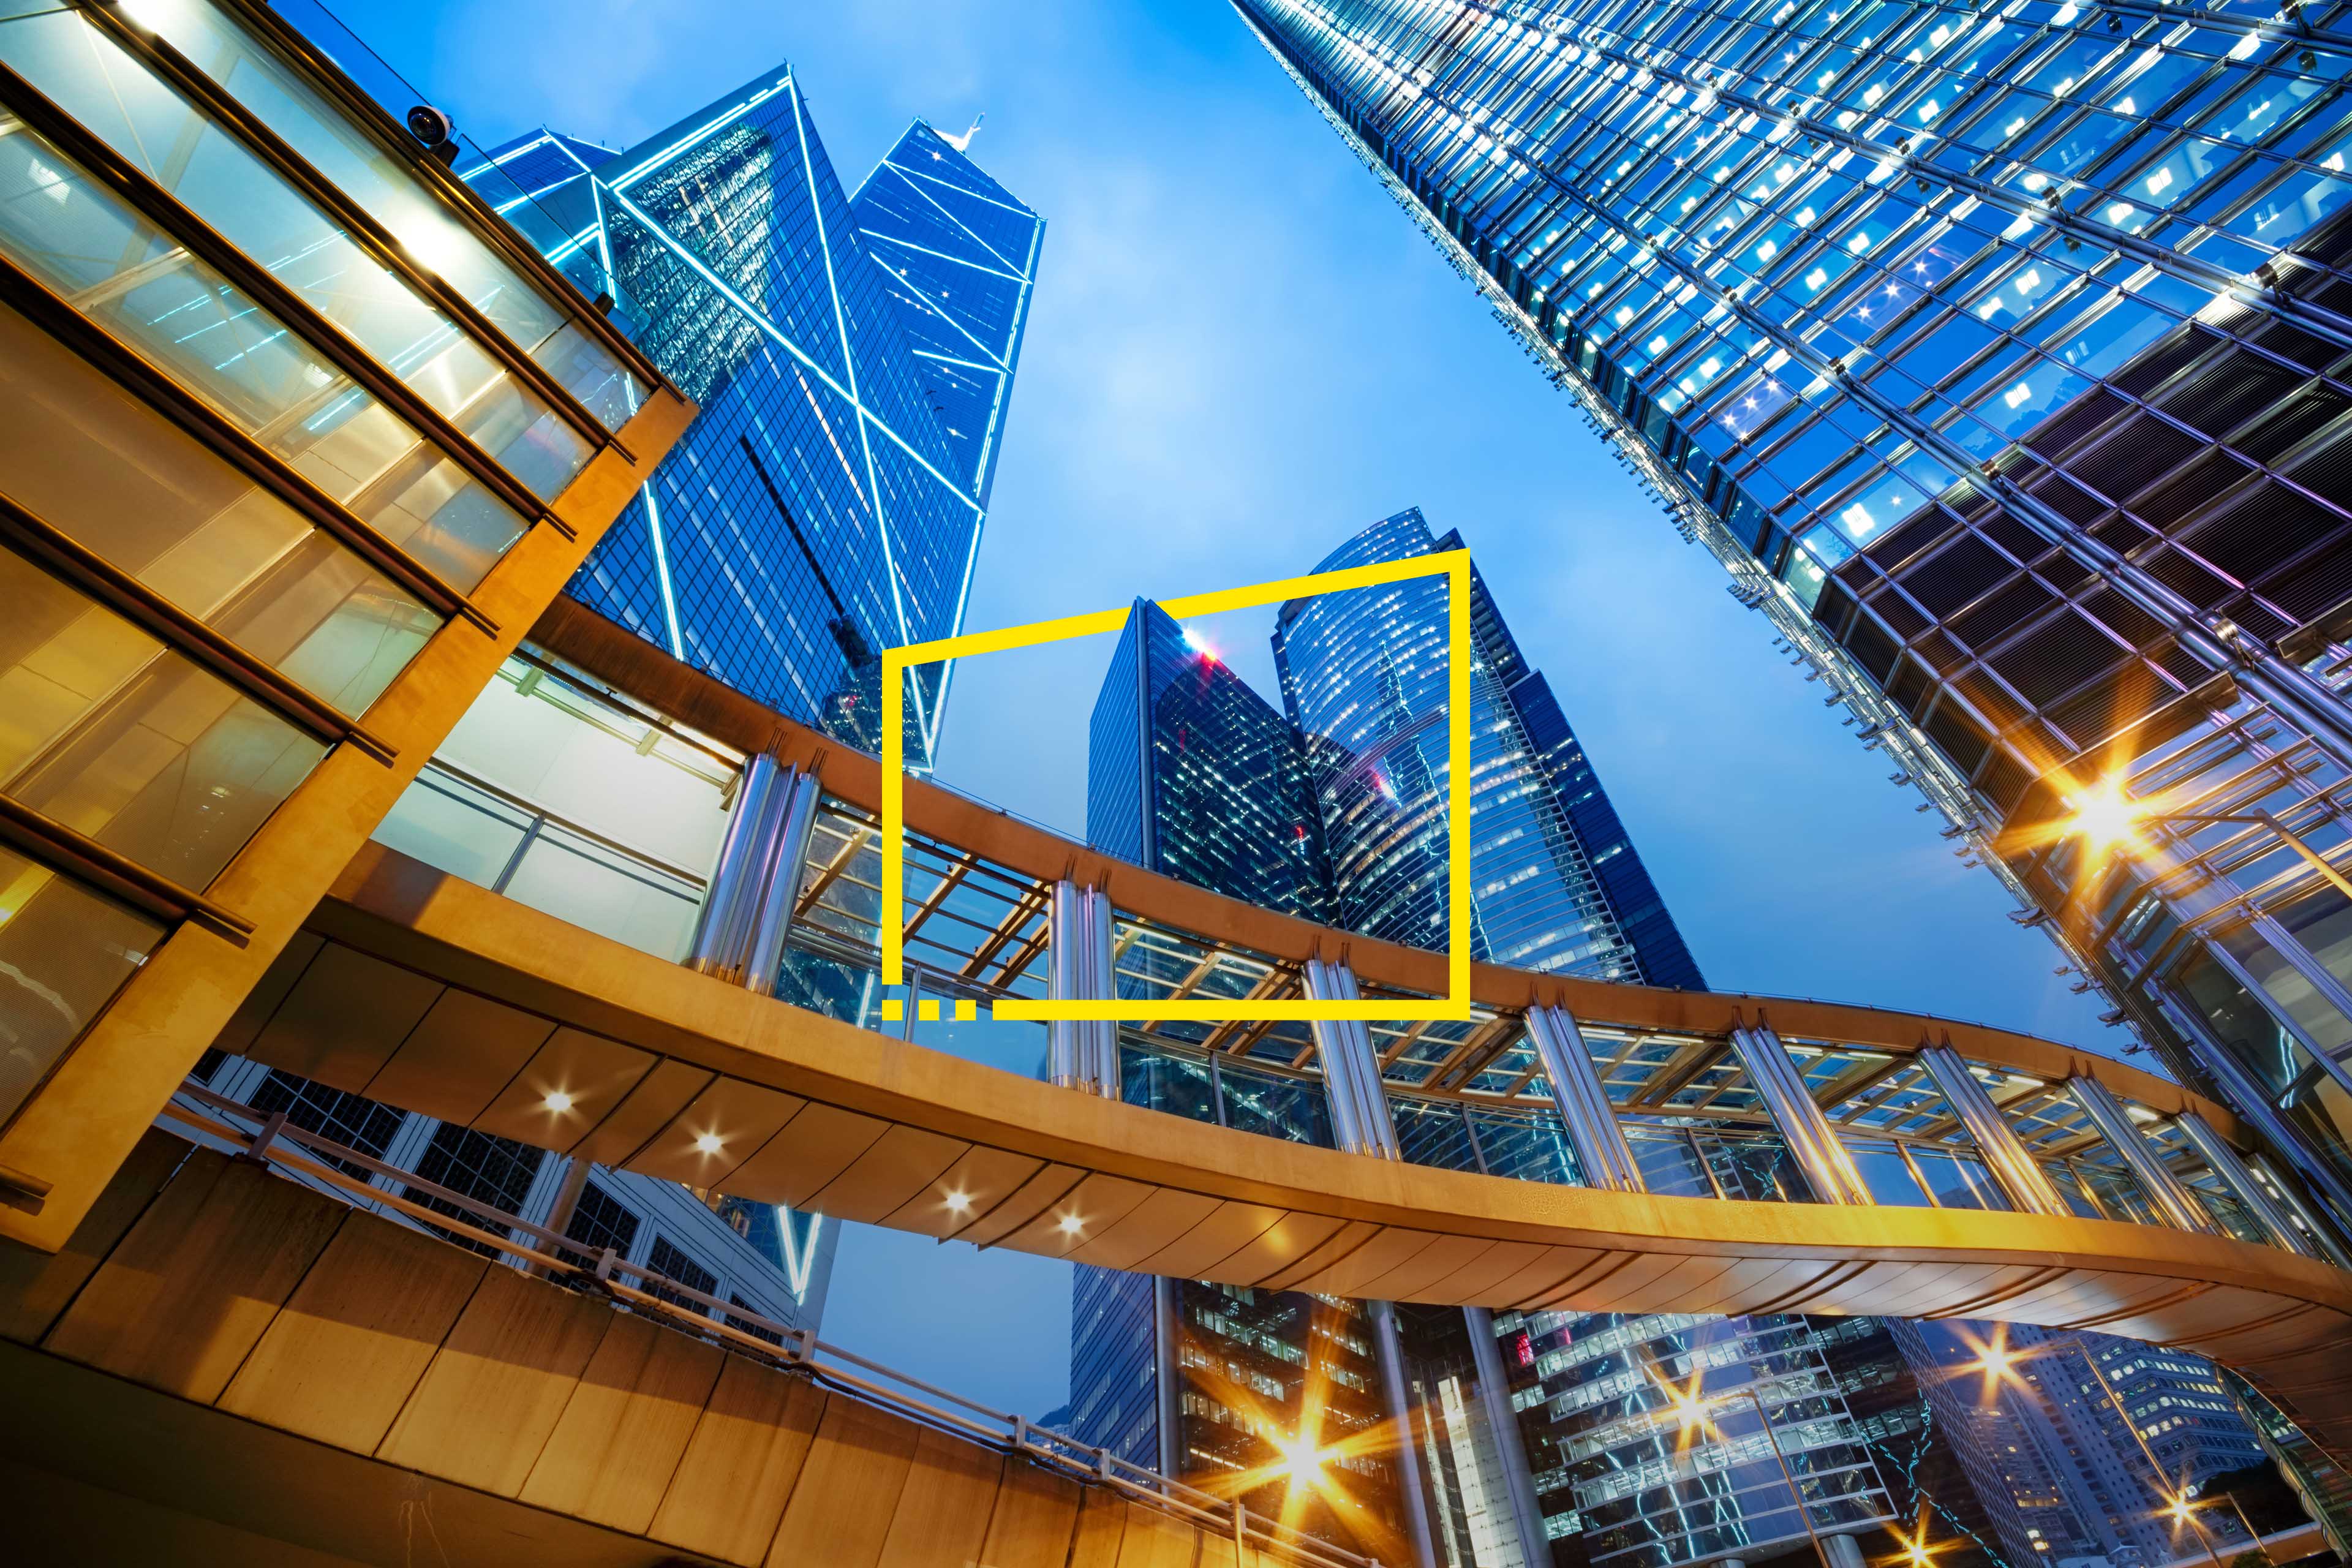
{"x": 1999, "y": 358}
{"x": 854, "y": 358}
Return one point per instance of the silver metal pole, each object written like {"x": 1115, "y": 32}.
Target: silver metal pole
{"x": 2224, "y": 1162}
{"x": 1389, "y": 1347}
{"x": 2106, "y": 1113}
{"x": 2027, "y": 1184}
{"x": 1819, "y": 1152}
{"x": 781, "y": 879}
{"x": 1495, "y": 1399}
{"x": 1584, "y": 1108}
{"x": 1066, "y": 981}
{"x": 722, "y": 924}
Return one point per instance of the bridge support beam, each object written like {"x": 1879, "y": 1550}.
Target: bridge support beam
{"x": 1083, "y": 1053}
{"x": 2026, "y": 1184}
{"x": 2224, "y": 1163}
{"x": 2106, "y": 1113}
{"x": 1584, "y": 1109}
{"x": 747, "y": 908}
{"x": 1812, "y": 1142}
{"x": 1361, "y": 1124}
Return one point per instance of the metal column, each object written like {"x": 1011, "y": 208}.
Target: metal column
{"x": 1361, "y": 1124}
{"x": 1814, "y": 1143}
{"x": 782, "y": 872}
{"x": 2106, "y": 1113}
{"x": 1495, "y": 1398}
{"x": 1584, "y": 1109}
{"x": 2224, "y": 1162}
{"x": 1081, "y": 1053}
{"x": 747, "y": 907}
{"x": 1167, "y": 1372}
{"x": 2027, "y": 1184}
{"x": 1352, "y": 1074}
{"x": 1389, "y": 1346}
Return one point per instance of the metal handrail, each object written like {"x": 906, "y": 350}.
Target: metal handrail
{"x": 797, "y": 1349}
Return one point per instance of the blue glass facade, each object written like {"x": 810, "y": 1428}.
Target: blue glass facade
{"x": 828, "y": 502}
{"x": 1193, "y": 773}
{"x": 1363, "y": 679}
{"x": 2000, "y": 359}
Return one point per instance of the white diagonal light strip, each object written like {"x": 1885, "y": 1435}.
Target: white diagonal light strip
{"x": 781, "y": 338}
{"x": 959, "y": 190}
{"x": 950, "y": 359}
{"x": 864, "y": 442}
{"x": 700, "y": 134}
{"x": 937, "y": 309}
{"x": 951, "y": 216}
{"x": 942, "y": 255}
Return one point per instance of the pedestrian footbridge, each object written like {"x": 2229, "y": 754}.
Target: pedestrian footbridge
{"x": 1573, "y": 1146}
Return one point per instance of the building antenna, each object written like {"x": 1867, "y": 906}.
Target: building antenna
{"x": 964, "y": 142}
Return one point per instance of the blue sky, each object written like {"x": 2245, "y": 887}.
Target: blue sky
{"x": 1239, "y": 353}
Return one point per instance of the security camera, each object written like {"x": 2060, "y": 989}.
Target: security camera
{"x": 430, "y": 125}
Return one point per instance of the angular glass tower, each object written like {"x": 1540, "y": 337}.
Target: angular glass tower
{"x": 1999, "y": 357}
{"x": 1191, "y": 772}
{"x": 853, "y": 357}
{"x": 1363, "y": 680}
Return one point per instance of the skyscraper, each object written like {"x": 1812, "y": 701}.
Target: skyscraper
{"x": 1997, "y": 359}
{"x": 854, "y": 358}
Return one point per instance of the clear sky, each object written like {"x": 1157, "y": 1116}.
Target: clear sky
{"x": 1240, "y": 353}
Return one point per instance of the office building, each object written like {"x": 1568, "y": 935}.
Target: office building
{"x": 852, "y": 355}
{"x": 1997, "y": 357}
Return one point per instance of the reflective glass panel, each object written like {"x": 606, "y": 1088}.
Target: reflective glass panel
{"x": 64, "y": 952}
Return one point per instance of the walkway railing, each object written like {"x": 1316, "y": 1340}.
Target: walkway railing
{"x": 321, "y": 1163}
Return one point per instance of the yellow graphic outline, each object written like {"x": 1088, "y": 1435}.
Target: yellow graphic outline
{"x": 1453, "y": 565}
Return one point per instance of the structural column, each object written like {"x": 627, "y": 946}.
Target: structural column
{"x": 1495, "y": 1399}
{"x": 1812, "y": 1142}
{"x": 1081, "y": 1053}
{"x": 747, "y": 908}
{"x": 1606, "y": 1158}
{"x": 2027, "y": 1184}
{"x": 1361, "y": 1125}
{"x": 2171, "y": 1199}
{"x": 2224, "y": 1162}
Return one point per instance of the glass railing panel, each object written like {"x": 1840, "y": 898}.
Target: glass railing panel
{"x": 119, "y": 478}
{"x": 600, "y": 887}
{"x": 133, "y": 281}
{"x": 1163, "y": 1080}
{"x": 1753, "y": 1164}
{"x": 104, "y": 729}
{"x": 1529, "y": 1146}
{"x": 1957, "y": 1181}
{"x": 1276, "y": 1106}
{"x": 1886, "y": 1173}
{"x": 1434, "y": 1133}
{"x": 460, "y": 827}
{"x": 65, "y": 950}
{"x": 1670, "y": 1163}
{"x": 389, "y": 190}
{"x": 83, "y": 72}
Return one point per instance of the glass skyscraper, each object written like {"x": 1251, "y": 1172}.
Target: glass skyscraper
{"x": 1363, "y": 681}
{"x": 1191, "y": 772}
{"x": 1998, "y": 355}
{"x": 852, "y": 355}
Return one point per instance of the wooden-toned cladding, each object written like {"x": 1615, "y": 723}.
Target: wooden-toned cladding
{"x": 224, "y": 1286}
{"x": 678, "y": 1074}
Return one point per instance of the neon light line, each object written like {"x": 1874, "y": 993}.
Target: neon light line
{"x": 952, "y": 185}
{"x": 955, "y": 220}
{"x": 696, "y": 137}
{"x": 950, "y": 359}
{"x": 849, "y": 364}
{"x": 935, "y": 306}
{"x": 943, "y": 256}
{"x": 661, "y": 572}
{"x": 727, "y": 291}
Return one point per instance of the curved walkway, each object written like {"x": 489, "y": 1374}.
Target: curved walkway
{"x": 664, "y": 1070}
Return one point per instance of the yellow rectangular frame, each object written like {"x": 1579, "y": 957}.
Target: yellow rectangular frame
{"x": 1453, "y": 565}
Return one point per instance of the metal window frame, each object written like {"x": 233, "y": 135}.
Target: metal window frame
{"x": 159, "y": 207}
{"x": 76, "y": 854}
{"x": 224, "y": 108}
{"x": 41, "y": 305}
{"x": 466, "y": 204}
{"x": 65, "y": 558}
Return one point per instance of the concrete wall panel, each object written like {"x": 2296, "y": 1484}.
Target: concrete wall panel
{"x": 621, "y": 1435}
{"x": 945, "y": 1508}
{"x": 740, "y": 1465}
{"x": 841, "y": 1511}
